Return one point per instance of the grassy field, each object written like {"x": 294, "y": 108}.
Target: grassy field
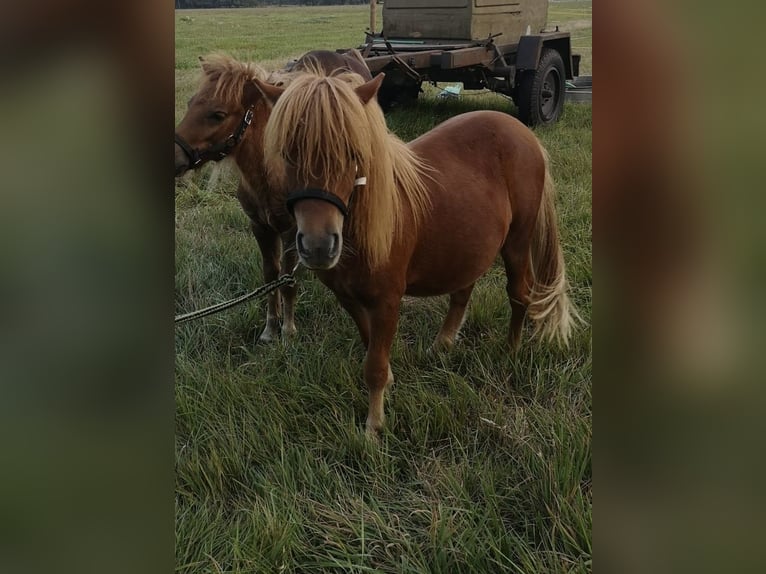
{"x": 486, "y": 462}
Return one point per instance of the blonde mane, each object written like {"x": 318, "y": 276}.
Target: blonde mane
{"x": 225, "y": 77}
{"x": 320, "y": 126}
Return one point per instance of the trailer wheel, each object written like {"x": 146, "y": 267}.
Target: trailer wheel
{"x": 395, "y": 96}
{"x": 540, "y": 95}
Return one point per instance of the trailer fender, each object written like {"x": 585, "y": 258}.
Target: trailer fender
{"x": 564, "y": 47}
{"x": 529, "y": 52}
{"x": 531, "y": 46}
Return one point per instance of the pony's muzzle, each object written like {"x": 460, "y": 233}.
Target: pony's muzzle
{"x": 182, "y": 161}
{"x": 319, "y": 251}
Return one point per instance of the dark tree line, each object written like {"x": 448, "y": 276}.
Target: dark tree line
{"x": 249, "y": 3}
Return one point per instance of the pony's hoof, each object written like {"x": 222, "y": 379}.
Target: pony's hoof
{"x": 267, "y": 337}
{"x": 373, "y": 429}
{"x": 373, "y": 436}
{"x": 441, "y": 345}
{"x": 289, "y": 332}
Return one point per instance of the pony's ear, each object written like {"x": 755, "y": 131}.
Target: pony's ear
{"x": 269, "y": 91}
{"x": 367, "y": 91}
{"x": 250, "y": 94}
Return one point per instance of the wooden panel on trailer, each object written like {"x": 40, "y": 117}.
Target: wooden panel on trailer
{"x": 463, "y": 19}
{"x": 466, "y": 57}
{"x": 416, "y": 60}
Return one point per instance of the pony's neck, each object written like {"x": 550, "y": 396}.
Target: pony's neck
{"x": 248, "y": 156}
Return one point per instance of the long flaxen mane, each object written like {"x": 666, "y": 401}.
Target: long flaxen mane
{"x": 320, "y": 126}
{"x": 224, "y": 78}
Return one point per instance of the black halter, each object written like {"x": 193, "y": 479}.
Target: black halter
{"x": 315, "y": 193}
{"x": 218, "y": 151}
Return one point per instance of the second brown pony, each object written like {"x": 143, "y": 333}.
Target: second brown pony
{"x": 378, "y": 219}
{"x": 226, "y": 118}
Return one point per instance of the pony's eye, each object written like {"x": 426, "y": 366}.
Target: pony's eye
{"x": 217, "y": 116}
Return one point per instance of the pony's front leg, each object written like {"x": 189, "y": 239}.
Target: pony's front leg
{"x": 271, "y": 249}
{"x": 289, "y": 294}
{"x": 377, "y": 369}
{"x": 360, "y": 316}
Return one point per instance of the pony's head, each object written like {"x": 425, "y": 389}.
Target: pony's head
{"x": 227, "y": 107}
{"x": 327, "y": 144}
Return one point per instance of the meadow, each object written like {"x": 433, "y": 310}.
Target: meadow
{"x": 485, "y": 464}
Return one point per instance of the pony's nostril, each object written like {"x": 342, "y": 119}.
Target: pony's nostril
{"x": 299, "y": 242}
{"x": 318, "y": 249}
{"x": 335, "y": 241}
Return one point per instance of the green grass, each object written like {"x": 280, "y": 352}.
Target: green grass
{"x": 485, "y": 462}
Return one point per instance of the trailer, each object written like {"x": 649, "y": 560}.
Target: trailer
{"x": 499, "y": 45}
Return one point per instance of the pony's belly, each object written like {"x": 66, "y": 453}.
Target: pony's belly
{"x": 460, "y": 241}
{"x": 449, "y": 270}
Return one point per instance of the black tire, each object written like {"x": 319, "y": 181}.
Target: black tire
{"x": 386, "y": 98}
{"x": 398, "y": 96}
{"x": 540, "y": 95}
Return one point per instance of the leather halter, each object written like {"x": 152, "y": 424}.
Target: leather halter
{"x": 217, "y": 151}
{"x": 317, "y": 193}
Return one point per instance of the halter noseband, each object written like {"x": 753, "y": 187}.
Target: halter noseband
{"x": 316, "y": 193}
{"x": 217, "y": 151}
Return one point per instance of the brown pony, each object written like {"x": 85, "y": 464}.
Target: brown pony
{"x": 226, "y": 118}
{"x": 430, "y": 219}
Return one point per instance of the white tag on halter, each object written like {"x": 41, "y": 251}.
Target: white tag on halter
{"x": 360, "y": 181}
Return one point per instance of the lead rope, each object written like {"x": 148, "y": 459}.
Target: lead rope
{"x": 287, "y": 279}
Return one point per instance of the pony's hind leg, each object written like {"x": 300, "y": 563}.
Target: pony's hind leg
{"x": 271, "y": 247}
{"x": 458, "y": 301}
{"x": 518, "y": 286}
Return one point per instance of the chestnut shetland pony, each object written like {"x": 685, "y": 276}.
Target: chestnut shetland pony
{"x": 226, "y": 118}
{"x": 431, "y": 219}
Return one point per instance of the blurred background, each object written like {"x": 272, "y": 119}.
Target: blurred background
{"x": 86, "y": 283}
{"x": 86, "y": 248}
{"x": 678, "y": 202}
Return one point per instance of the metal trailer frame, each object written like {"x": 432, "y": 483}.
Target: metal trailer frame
{"x": 532, "y": 71}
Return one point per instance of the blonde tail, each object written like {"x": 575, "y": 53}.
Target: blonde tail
{"x": 553, "y": 313}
